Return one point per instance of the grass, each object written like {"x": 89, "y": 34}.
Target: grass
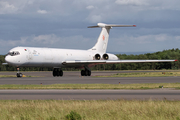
{"x": 89, "y": 109}
{"x": 4, "y": 76}
{"x": 144, "y": 74}
{"x": 93, "y": 86}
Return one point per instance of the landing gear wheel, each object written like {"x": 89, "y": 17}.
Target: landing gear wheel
{"x": 89, "y": 73}
{"x": 82, "y": 72}
{"x": 57, "y": 72}
{"x": 60, "y": 73}
{"x": 54, "y": 73}
{"x": 19, "y": 74}
{"x": 85, "y": 72}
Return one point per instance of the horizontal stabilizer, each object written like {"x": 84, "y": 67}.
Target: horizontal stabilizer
{"x": 110, "y": 25}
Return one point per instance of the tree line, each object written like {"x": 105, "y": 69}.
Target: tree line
{"x": 165, "y": 54}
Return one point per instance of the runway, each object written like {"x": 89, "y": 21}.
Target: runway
{"x": 75, "y": 78}
{"x": 159, "y": 94}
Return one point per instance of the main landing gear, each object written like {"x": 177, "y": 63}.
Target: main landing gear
{"x": 19, "y": 74}
{"x": 57, "y": 72}
{"x": 86, "y": 72}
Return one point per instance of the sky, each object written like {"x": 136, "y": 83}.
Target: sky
{"x": 63, "y": 24}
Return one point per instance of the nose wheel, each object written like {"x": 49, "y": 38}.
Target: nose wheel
{"x": 57, "y": 72}
{"x": 18, "y": 73}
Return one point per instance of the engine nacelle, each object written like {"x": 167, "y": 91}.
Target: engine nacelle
{"x": 97, "y": 57}
{"x": 105, "y": 56}
{"x": 112, "y": 57}
{"x": 109, "y": 56}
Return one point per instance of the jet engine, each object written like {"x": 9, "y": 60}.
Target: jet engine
{"x": 105, "y": 56}
{"x": 97, "y": 57}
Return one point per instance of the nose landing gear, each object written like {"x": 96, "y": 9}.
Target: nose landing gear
{"x": 19, "y": 74}
{"x": 57, "y": 72}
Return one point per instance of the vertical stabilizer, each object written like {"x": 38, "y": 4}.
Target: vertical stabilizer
{"x": 102, "y": 41}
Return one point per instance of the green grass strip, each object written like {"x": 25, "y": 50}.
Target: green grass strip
{"x": 9, "y": 76}
{"x": 94, "y": 86}
{"x": 90, "y": 109}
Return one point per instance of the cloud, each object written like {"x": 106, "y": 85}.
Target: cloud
{"x": 124, "y": 43}
{"x": 49, "y": 40}
{"x": 42, "y": 11}
{"x": 163, "y": 37}
{"x": 143, "y": 39}
{"x": 44, "y": 40}
{"x": 89, "y": 7}
{"x": 131, "y": 2}
{"x": 147, "y": 43}
{"x": 95, "y": 18}
{"x": 21, "y": 23}
{"x": 6, "y": 7}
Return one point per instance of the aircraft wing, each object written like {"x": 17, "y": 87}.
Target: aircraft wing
{"x": 88, "y": 62}
{"x": 139, "y": 61}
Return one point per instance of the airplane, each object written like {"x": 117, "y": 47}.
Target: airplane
{"x": 68, "y": 58}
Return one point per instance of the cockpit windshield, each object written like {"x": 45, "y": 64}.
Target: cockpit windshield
{"x": 13, "y": 53}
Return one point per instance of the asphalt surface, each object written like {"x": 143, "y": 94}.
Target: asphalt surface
{"x": 75, "y": 73}
{"x": 160, "y": 94}
{"x": 75, "y": 78}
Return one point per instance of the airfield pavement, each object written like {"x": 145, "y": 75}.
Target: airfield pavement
{"x": 162, "y": 94}
{"x": 75, "y": 78}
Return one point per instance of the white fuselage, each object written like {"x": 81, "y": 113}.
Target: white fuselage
{"x": 48, "y": 57}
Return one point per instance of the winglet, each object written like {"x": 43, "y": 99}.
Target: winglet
{"x": 176, "y": 60}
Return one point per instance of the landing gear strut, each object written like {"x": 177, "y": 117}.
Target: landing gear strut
{"x": 19, "y": 74}
{"x": 86, "y": 72}
{"x": 57, "y": 72}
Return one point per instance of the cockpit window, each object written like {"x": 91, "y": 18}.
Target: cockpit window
{"x": 13, "y": 53}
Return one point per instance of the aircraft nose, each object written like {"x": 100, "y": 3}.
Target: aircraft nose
{"x": 7, "y": 59}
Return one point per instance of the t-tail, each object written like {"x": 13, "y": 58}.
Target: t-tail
{"x": 102, "y": 41}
